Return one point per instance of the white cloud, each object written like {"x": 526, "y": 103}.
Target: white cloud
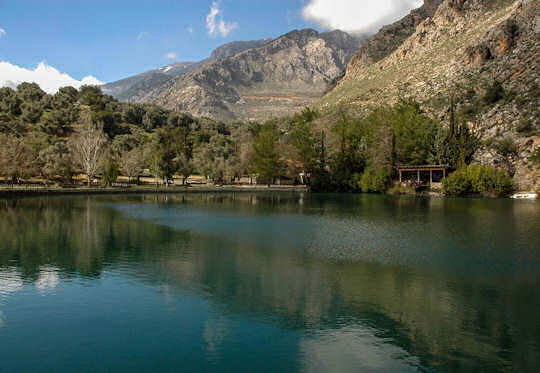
{"x": 48, "y": 78}
{"x": 215, "y": 24}
{"x": 170, "y": 55}
{"x": 143, "y": 35}
{"x": 190, "y": 30}
{"x": 359, "y": 16}
{"x": 2, "y": 32}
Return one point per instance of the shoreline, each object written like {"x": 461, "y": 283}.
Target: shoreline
{"x": 38, "y": 191}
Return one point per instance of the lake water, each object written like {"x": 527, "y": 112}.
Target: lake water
{"x": 269, "y": 282}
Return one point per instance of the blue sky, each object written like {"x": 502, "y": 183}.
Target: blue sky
{"x": 113, "y": 39}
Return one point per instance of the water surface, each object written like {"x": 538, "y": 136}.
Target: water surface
{"x": 269, "y": 282}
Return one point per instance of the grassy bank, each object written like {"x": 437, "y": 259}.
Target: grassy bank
{"x": 22, "y": 191}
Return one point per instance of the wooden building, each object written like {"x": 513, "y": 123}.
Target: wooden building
{"x": 420, "y": 173}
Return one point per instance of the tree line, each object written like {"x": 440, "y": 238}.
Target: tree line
{"x": 71, "y": 132}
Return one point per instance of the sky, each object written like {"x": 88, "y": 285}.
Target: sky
{"x": 59, "y": 42}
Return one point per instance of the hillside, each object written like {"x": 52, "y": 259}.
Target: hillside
{"x": 278, "y": 78}
{"x": 135, "y": 87}
{"x": 460, "y": 48}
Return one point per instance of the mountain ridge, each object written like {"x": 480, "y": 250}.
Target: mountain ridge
{"x": 275, "y": 79}
{"x": 465, "y": 49}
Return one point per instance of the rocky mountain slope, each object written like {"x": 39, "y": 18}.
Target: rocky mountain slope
{"x": 135, "y": 87}
{"x": 484, "y": 53}
{"x": 278, "y": 78}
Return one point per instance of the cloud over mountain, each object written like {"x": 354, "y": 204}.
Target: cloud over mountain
{"x": 48, "y": 78}
{"x": 215, "y": 24}
{"x": 359, "y": 16}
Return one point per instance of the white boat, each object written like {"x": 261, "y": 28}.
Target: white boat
{"x": 524, "y": 196}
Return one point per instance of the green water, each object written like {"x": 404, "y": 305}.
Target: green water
{"x": 269, "y": 282}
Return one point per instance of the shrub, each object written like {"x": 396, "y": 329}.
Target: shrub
{"x": 506, "y": 147}
{"x": 374, "y": 181}
{"x": 535, "y": 156}
{"x": 477, "y": 179}
{"x": 494, "y": 93}
{"x": 524, "y": 126}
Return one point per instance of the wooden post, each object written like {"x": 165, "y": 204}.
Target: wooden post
{"x": 418, "y": 175}
{"x": 400, "y": 176}
{"x": 430, "y": 177}
{"x": 444, "y": 173}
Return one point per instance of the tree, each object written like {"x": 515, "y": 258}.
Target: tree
{"x": 164, "y": 152}
{"x": 265, "y": 159}
{"x": 56, "y": 161}
{"x": 349, "y": 159}
{"x": 132, "y": 162}
{"x": 111, "y": 171}
{"x": 185, "y": 166}
{"x": 415, "y": 134}
{"x": 456, "y": 145}
{"x": 30, "y": 92}
{"x": 10, "y": 103}
{"x": 16, "y": 158}
{"x": 88, "y": 145}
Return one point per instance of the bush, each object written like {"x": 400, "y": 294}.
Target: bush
{"x": 524, "y": 126}
{"x": 374, "y": 181}
{"x": 494, "y": 93}
{"x": 535, "y": 156}
{"x": 506, "y": 147}
{"x": 477, "y": 179}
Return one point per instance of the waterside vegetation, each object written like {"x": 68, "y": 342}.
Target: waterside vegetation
{"x": 56, "y": 138}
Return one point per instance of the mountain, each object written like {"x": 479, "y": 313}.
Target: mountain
{"x": 483, "y": 53}
{"x": 135, "y": 87}
{"x": 277, "y": 78}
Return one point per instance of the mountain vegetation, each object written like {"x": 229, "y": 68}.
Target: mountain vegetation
{"x": 452, "y": 83}
{"x": 56, "y": 137}
{"x": 483, "y": 55}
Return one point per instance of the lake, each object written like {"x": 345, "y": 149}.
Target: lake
{"x": 269, "y": 282}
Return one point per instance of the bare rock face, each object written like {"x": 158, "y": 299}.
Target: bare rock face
{"x": 460, "y": 48}
{"x": 275, "y": 79}
{"x": 134, "y": 88}
{"x": 388, "y": 39}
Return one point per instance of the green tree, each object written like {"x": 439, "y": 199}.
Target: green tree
{"x": 265, "y": 159}
{"x": 111, "y": 171}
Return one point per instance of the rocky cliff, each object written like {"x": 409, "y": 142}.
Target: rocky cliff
{"x": 134, "y": 88}
{"x": 275, "y": 79}
{"x": 484, "y": 53}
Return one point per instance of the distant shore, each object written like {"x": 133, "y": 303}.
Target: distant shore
{"x": 34, "y": 191}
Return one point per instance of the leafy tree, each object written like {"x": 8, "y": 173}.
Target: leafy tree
{"x": 16, "y": 158}
{"x": 456, "y": 145}
{"x": 10, "y": 103}
{"x": 91, "y": 96}
{"x": 53, "y": 123}
{"x": 31, "y": 111}
{"x": 350, "y": 155}
{"x": 111, "y": 171}
{"x": 415, "y": 134}
{"x": 56, "y": 161}
{"x": 30, "y": 92}
{"x": 186, "y": 166}
{"x": 265, "y": 159}
{"x": 155, "y": 117}
{"x": 217, "y": 159}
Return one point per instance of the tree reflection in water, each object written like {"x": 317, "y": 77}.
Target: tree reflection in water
{"x": 367, "y": 282}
